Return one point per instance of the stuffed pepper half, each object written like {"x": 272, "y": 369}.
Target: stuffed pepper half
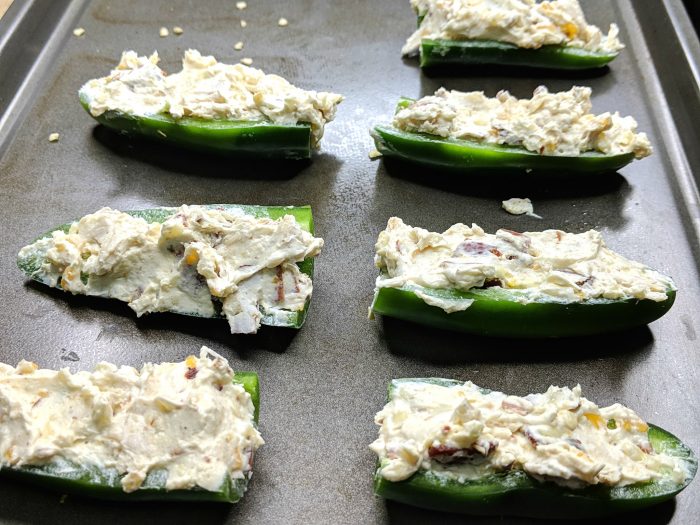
{"x": 250, "y": 264}
{"x": 468, "y": 132}
{"x": 171, "y": 431}
{"x": 452, "y": 446}
{"x": 552, "y": 34}
{"x": 511, "y": 284}
{"x": 210, "y": 106}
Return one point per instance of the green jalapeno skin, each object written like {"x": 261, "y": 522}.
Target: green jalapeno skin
{"x": 516, "y": 493}
{"x": 302, "y": 214}
{"x": 500, "y": 312}
{"x": 250, "y": 139}
{"x": 477, "y": 52}
{"x": 94, "y": 482}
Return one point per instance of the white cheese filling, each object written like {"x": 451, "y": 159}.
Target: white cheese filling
{"x": 248, "y": 264}
{"x": 524, "y": 23}
{"x": 207, "y": 89}
{"x": 187, "y": 419}
{"x": 548, "y": 266}
{"x": 548, "y": 123}
{"x": 462, "y": 433}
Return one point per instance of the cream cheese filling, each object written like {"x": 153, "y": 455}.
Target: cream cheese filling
{"x": 247, "y": 264}
{"x": 186, "y": 418}
{"x": 207, "y": 89}
{"x": 548, "y": 266}
{"x": 548, "y": 123}
{"x": 464, "y": 433}
{"x": 524, "y": 23}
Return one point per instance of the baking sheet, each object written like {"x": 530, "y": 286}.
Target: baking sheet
{"x": 322, "y": 385}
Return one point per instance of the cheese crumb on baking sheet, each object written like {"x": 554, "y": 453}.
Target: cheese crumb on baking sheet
{"x": 53, "y": 137}
{"x": 247, "y": 61}
{"x": 516, "y": 206}
{"x": 178, "y": 30}
{"x": 238, "y": 46}
{"x": 78, "y": 31}
{"x": 282, "y": 22}
{"x": 163, "y": 32}
{"x": 244, "y": 23}
{"x": 241, "y": 5}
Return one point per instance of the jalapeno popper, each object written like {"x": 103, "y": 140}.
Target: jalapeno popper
{"x": 511, "y": 284}
{"x": 210, "y": 106}
{"x": 551, "y": 34}
{"x": 171, "y": 431}
{"x": 452, "y": 446}
{"x": 550, "y": 132}
{"x": 251, "y": 264}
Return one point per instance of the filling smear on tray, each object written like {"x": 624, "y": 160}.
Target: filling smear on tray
{"x": 465, "y": 433}
{"x": 187, "y": 419}
{"x": 207, "y": 89}
{"x": 524, "y": 23}
{"x": 559, "y": 124}
{"x": 194, "y": 262}
{"x": 548, "y": 266}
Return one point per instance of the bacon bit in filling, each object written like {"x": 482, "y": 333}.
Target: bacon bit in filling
{"x": 445, "y": 454}
{"x": 183, "y": 218}
{"x": 476, "y": 248}
{"x": 191, "y": 373}
{"x": 646, "y": 447}
{"x": 442, "y": 450}
{"x": 584, "y": 281}
{"x": 532, "y": 438}
{"x": 512, "y": 407}
{"x": 280, "y": 285}
{"x": 575, "y": 443}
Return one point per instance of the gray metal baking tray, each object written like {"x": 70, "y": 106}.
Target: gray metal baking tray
{"x": 322, "y": 385}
